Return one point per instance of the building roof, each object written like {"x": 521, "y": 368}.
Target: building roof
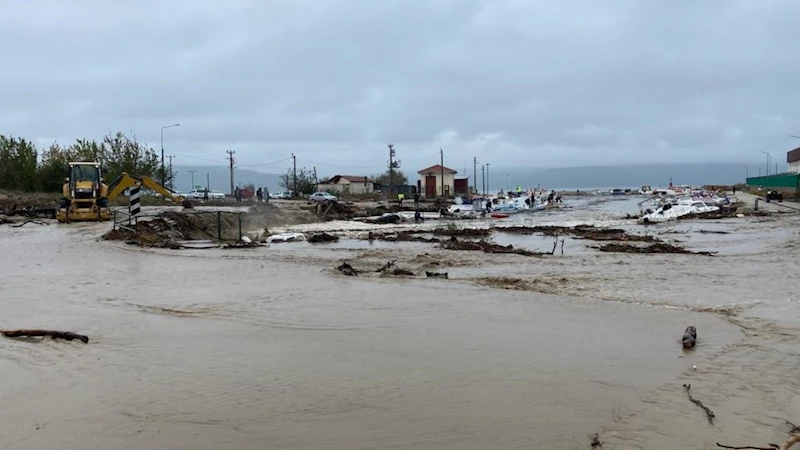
{"x": 351, "y": 178}
{"x": 436, "y": 169}
{"x": 793, "y": 155}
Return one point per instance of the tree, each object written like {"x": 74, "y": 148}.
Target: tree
{"x": 117, "y": 153}
{"x": 18, "y": 162}
{"x": 306, "y": 184}
{"x": 400, "y": 179}
{"x": 123, "y": 154}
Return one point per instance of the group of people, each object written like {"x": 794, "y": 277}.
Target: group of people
{"x": 262, "y": 194}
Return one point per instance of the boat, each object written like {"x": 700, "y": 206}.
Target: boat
{"x": 673, "y": 210}
{"x": 286, "y": 237}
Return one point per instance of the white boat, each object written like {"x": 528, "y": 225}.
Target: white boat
{"x": 673, "y": 210}
{"x": 286, "y": 237}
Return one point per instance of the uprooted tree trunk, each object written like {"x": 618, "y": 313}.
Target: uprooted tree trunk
{"x": 66, "y": 335}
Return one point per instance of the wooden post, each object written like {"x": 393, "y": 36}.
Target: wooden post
{"x": 219, "y": 225}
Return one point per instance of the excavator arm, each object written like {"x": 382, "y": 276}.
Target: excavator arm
{"x": 126, "y": 181}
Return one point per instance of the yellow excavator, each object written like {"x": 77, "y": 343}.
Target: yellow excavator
{"x": 86, "y": 195}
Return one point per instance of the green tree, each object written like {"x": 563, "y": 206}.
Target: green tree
{"x": 18, "y": 162}
{"x": 123, "y": 154}
{"x": 306, "y": 183}
{"x": 53, "y": 168}
{"x": 400, "y": 179}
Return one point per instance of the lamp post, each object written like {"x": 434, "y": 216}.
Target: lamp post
{"x": 488, "y": 189}
{"x": 508, "y": 186}
{"x": 768, "y": 157}
{"x": 163, "y": 169}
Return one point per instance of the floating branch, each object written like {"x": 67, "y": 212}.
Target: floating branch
{"x": 66, "y": 335}
{"x": 709, "y": 413}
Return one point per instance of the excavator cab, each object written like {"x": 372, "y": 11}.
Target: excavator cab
{"x": 85, "y": 194}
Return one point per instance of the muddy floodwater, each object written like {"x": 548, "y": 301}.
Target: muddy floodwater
{"x": 269, "y": 348}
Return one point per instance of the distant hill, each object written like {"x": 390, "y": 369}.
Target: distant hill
{"x": 655, "y": 175}
{"x": 220, "y": 178}
{"x": 629, "y": 176}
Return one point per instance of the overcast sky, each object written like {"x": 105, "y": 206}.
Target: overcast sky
{"x": 511, "y": 82}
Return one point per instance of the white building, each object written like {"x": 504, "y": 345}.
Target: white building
{"x": 348, "y": 184}
{"x": 793, "y": 158}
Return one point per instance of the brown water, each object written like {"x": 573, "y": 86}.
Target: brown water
{"x": 265, "y": 348}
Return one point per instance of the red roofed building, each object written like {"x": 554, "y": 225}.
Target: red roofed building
{"x": 437, "y": 181}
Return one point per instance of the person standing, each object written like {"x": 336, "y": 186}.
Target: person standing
{"x": 259, "y": 195}
{"x": 416, "y": 200}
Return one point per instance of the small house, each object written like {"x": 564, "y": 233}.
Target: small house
{"x": 348, "y": 184}
{"x": 438, "y": 181}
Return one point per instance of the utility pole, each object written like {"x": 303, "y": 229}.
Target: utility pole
{"x": 294, "y": 174}
{"x": 441, "y": 163}
{"x": 315, "y": 177}
{"x": 483, "y": 180}
{"x": 767, "y": 174}
{"x": 208, "y": 181}
{"x": 230, "y": 160}
{"x": 475, "y": 173}
{"x": 488, "y": 188}
{"x": 171, "y": 175}
{"x": 392, "y": 166}
{"x": 508, "y": 187}
{"x": 163, "y": 170}
{"x": 192, "y": 172}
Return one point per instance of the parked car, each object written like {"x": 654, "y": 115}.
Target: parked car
{"x": 200, "y": 194}
{"x": 280, "y": 195}
{"x": 322, "y": 196}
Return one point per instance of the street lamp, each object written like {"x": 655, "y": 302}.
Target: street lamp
{"x": 488, "y": 189}
{"x": 768, "y": 157}
{"x": 163, "y": 170}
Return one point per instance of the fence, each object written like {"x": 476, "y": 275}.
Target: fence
{"x": 784, "y": 181}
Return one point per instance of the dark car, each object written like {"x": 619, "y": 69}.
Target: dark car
{"x": 774, "y": 195}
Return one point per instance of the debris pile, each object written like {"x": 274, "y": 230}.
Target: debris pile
{"x": 333, "y": 210}
{"x": 322, "y": 238}
{"x": 589, "y": 232}
{"x": 487, "y": 247}
{"x": 658, "y": 247}
{"x": 168, "y": 228}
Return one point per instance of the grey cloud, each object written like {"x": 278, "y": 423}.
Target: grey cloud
{"x": 578, "y": 82}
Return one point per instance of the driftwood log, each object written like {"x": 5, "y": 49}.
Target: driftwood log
{"x": 785, "y": 446}
{"x": 66, "y": 335}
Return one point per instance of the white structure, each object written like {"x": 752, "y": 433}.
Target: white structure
{"x": 430, "y": 181}
{"x": 793, "y": 158}
{"x": 348, "y": 184}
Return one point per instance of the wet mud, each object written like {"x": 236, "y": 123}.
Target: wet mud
{"x": 222, "y": 349}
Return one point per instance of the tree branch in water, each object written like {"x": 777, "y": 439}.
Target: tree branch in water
{"x": 709, "y": 413}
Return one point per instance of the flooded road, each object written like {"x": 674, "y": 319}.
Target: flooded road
{"x": 267, "y": 348}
